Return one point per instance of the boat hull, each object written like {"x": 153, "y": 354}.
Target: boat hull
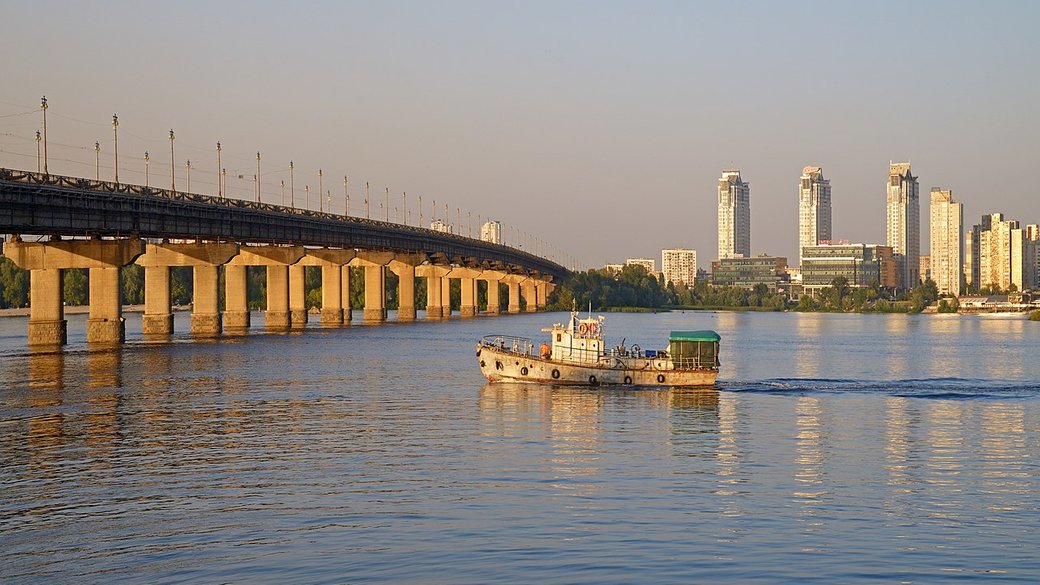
{"x": 502, "y": 365}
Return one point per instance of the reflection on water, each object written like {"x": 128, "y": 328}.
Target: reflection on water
{"x": 377, "y": 454}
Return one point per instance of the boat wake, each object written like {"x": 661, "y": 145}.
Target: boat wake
{"x": 934, "y": 388}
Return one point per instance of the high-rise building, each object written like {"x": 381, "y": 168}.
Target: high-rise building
{"x": 973, "y": 253}
{"x": 1007, "y": 253}
{"x": 491, "y": 231}
{"x": 679, "y": 265}
{"x": 648, "y": 263}
{"x": 1033, "y": 236}
{"x": 904, "y": 223}
{"x": 947, "y": 241}
{"x": 814, "y": 209}
{"x": 441, "y": 226}
{"x": 734, "y": 216}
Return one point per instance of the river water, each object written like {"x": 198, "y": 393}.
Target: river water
{"x": 835, "y": 449}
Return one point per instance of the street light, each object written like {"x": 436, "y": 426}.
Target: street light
{"x": 367, "y": 216}
{"x": 420, "y": 211}
{"x": 321, "y": 187}
{"x": 307, "y": 190}
{"x": 292, "y": 187}
{"x": 97, "y": 161}
{"x": 146, "y": 159}
{"x": 258, "y": 177}
{"x": 220, "y": 183}
{"x": 37, "y": 151}
{"x": 188, "y": 165}
{"x": 173, "y": 165}
{"x": 346, "y": 198}
{"x": 283, "y": 192}
{"x": 388, "y": 204}
{"x": 43, "y": 108}
{"x": 115, "y": 145}
{"x": 405, "y": 197}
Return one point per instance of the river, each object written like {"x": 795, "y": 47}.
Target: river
{"x": 835, "y": 449}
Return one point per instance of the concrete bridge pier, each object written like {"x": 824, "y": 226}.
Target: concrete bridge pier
{"x": 236, "y": 297}
{"x": 45, "y": 260}
{"x": 529, "y": 290}
{"x": 344, "y": 289}
{"x": 331, "y": 261}
{"x": 374, "y": 264}
{"x": 205, "y": 260}
{"x": 276, "y": 259}
{"x": 513, "y": 282}
{"x": 541, "y": 288}
{"x": 493, "y": 277}
{"x": 205, "y": 307}
{"x": 297, "y": 296}
{"x": 403, "y": 265}
{"x": 434, "y": 276}
{"x": 468, "y": 285}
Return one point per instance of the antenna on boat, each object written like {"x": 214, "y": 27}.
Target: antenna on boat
{"x": 590, "y": 309}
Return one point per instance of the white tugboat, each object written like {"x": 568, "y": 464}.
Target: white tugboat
{"x": 577, "y": 354}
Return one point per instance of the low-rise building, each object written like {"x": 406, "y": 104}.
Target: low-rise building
{"x": 747, "y": 272}
{"x": 648, "y": 263}
{"x": 857, "y": 263}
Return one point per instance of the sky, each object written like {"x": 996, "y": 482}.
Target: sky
{"x": 597, "y": 129}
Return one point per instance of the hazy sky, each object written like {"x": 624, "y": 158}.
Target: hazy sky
{"x": 601, "y": 127}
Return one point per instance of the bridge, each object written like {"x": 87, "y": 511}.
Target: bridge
{"x": 102, "y": 226}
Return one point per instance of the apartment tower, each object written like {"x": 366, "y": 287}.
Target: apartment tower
{"x": 904, "y": 223}
{"x": 679, "y": 265}
{"x": 734, "y": 216}
{"x": 947, "y": 241}
{"x": 814, "y": 209}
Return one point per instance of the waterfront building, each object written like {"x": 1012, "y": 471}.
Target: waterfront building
{"x": 440, "y": 226}
{"x": 925, "y": 267}
{"x": 747, "y": 272}
{"x": 904, "y": 223}
{"x": 887, "y": 266}
{"x": 1033, "y": 236}
{"x": 679, "y": 265}
{"x": 859, "y": 264}
{"x": 734, "y": 215}
{"x": 814, "y": 209}
{"x": 947, "y": 241}
{"x": 1006, "y": 253}
{"x": 613, "y": 268}
{"x": 491, "y": 231}
{"x": 973, "y": 253}
{"x": 648, "y": 263}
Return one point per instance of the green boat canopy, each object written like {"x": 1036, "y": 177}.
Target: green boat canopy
{"x": 704, "y": 335}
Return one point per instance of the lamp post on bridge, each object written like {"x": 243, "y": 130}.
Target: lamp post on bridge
{"x": 188, "y": 174}
{"x": 321, "y": 189}
{"x": 367, "y": 216}
{"x": 220, "y": 183}
{"x": 97, "y": 161}
{"x": 173, "y": 165}
{"x": 43, "y": 108}
{"x": 420, "y": 211}
{"x": 37, "y": 151}
{"x": 258, "y": 177}
{"x": 387, "y": 204}
{"x": 283, "y": 192}
{"x": 146, "y": 159}
{"x": 404, "y": 195}
{"x": 292, "y": 186}
{"x": 307, "y": 191}
{"x": 346, "y": 198}
{"x": 115, "y": 145}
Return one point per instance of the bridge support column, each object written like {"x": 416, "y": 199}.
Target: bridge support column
{"x": 297, "y": 294}
{"x": 344, "y": 288}
{"x": 434, "y": 276}
{"x": 332, "y": 295}
{"x": 45, "y": 260}
{"x": 105, "y": 323}
{"x": 236, "y": 297}
{"x": 158, "y": 316}
{"x": 205, "y": 313}
{"x": 277, "y": 316}
{"x": 540, "y": 290}
{"x": 514, "y": 294}
{"x": 468, "y": 287}
{"x": 530, "y": 293}
{"x": 47, "y": 325}
{"x": 375, "y": 293}
{"x": 494, "y": 304}
{"x": 446, "y": 297}
{"x": 404, "y": 268}
{"x": 205, "y": 260}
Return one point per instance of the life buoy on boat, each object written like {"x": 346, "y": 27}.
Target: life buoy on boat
{"x": 660, "y": 378}
{"x": 556, "y": 374}
{"x": 592, "y": 380}
{"x": 583, "y": 329}
{"x": 628, "y": 379}
{"x": 523, "y": 371}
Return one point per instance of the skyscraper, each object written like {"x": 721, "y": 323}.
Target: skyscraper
{"x": 947, "y": 241}
{"x": 904, "y": 223}
{"x": 734, "y": 215}
{"x": 679, "y": 265}
{"x": 814, "y": 209}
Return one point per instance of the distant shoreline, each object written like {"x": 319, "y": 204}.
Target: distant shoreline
{"x": 83, "y": 310}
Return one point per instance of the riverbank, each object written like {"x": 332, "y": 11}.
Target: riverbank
{"x": 83, "y": 310}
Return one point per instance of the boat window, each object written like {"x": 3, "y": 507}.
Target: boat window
{"x": 559, "y": 337}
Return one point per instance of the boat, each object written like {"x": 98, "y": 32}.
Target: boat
{"x": 577, "y": 354}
